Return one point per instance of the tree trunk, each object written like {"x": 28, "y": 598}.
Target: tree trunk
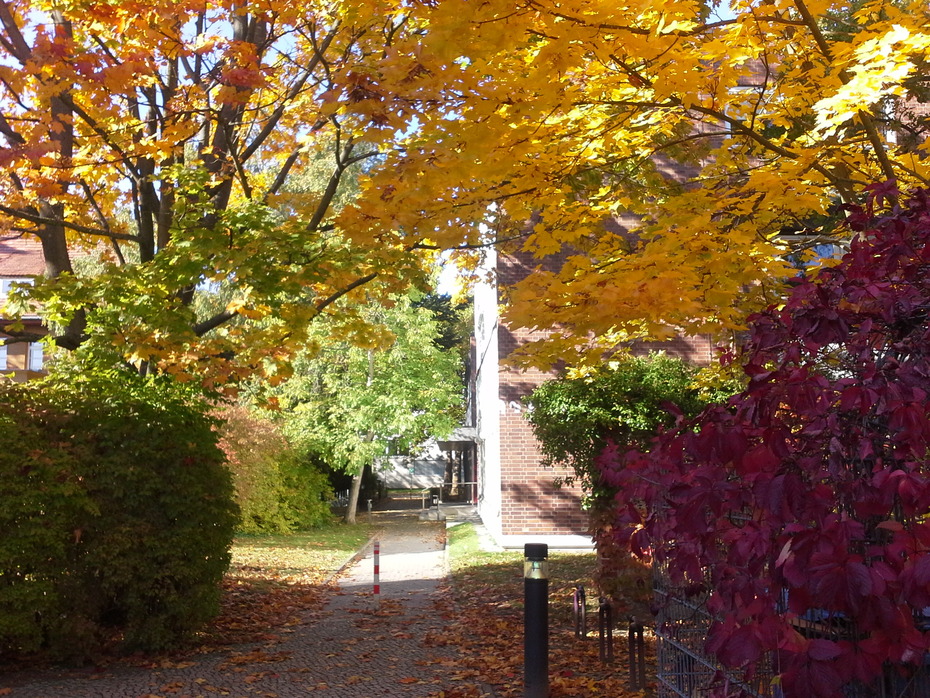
{"x": 352, "y": 508}
{"x": 357, "y": 479}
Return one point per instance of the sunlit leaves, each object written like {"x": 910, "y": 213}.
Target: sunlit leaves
{"x": 378, "y": 381}
{"x": 720, "y": 132}
{"x": 175, "y": 143}
{"x": 460, "y": 122}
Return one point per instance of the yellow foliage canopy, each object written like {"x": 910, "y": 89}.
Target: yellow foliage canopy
{"x": 724, "y": 141}
{"x": 294, "y": 152}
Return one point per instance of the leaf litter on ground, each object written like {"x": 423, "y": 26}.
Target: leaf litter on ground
{"x": 483, "y": 609}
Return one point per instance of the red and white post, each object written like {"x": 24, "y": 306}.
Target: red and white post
{"x": 377, "y": 559}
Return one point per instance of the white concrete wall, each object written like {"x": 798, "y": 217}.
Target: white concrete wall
{"x": 487, "y": 391}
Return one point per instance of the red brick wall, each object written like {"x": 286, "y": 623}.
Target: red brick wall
{"x": 698, "y": 350}
{"x": 530, "y": 501}
{"x": 531, "y": 504}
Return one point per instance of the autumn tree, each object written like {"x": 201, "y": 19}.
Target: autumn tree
{"x": 166, "y": 139}
{"x": 799, "y": 507}
{"x": 167, "y": 135}
{"x": 349, "y": 402}
{"x": 278, "y": 488}
{"x": 677, "y": 152}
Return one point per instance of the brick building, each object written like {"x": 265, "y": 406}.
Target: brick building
{"x": 21, "y": 261}
{"x": 519, "y": 501}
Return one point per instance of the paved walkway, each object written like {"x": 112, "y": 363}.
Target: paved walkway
{"x": 355, "y": 647}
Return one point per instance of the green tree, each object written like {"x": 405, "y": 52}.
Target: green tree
{"x": 392, "y": 386}
{"x": 622, "y": 404}
{"x": 183, "y": 144}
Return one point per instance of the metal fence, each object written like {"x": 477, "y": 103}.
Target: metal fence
{"x": 685, "y": 670}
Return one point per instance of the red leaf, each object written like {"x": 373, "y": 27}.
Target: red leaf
{"x": 823, "y": 650}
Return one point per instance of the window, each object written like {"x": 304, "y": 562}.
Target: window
{"x": 3, "y": 366}
{"x": 6, "y": 285}
{"x": 36, "y": 356}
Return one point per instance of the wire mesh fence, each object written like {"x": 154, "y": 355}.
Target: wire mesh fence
{"x": 685, "y": 670}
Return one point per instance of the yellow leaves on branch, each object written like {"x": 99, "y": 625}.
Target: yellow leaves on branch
{"x": 665, "y": 149}
{"x": 700, "y": 139}
{"x": 879, "y": 68}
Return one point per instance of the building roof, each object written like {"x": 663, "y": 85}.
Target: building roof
{"x": 21, "y": 257}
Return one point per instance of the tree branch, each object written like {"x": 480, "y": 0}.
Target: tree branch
{"x": 281, "y": 177}
{"x": 275, "y": 117}
{"x": 17, "y": 336}
{"x": 17, "y": 43}
{"x": 201, "y": 328}
{"x": 321, "y": 306}
{"x": 868, "y": 122}
{"x": 467, "y": 245}
{"x": 77, "y": 227}
{"x": 332, "y": 187}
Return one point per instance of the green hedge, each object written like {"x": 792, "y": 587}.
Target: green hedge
{"x": 116, "y": 511}
{"x": 278, "y": 489}
{"x": 624, "y": 401}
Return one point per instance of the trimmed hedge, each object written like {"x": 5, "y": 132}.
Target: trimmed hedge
{"x": 117, "y": 515}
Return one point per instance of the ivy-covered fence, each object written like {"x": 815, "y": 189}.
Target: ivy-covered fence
{"x": 685, "y": 668}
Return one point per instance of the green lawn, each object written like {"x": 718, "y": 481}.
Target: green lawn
{"x": 501, "y": 573}
{"x": 308, "y": 556}
{"x": 467, "y": 558}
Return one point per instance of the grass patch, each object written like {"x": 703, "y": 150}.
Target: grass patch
{"x": 307, "y": 556}
{"x": 466, "y": 555}
{"x": 500, "y": 574}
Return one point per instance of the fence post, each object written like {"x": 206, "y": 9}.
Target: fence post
{"x": 605, "y": 630}
{"x": 579, "y": 607}
{"x": 637, "y": 654}
{"x": 377, "y": 562}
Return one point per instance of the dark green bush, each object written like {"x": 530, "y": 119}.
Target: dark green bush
{"x": 117, "y": 515}
{"x": 278, "y": 489}
{"x": 307, "y": 490}
{"x": 625, "y": 401}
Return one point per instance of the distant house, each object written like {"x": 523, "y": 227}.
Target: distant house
{"x": 447, "y": 465}
{"x": 21, "y": 261}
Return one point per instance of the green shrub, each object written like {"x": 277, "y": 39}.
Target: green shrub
{"x": 308, "y": 492}
{"x": 42, "y": 501}
{"x": 624, "y": 401}
{"x": 117, "y": 514}
{"x": 278, "y": 489}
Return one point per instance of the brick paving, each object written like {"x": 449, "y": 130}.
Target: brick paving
{"x": 355, "y": 647}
